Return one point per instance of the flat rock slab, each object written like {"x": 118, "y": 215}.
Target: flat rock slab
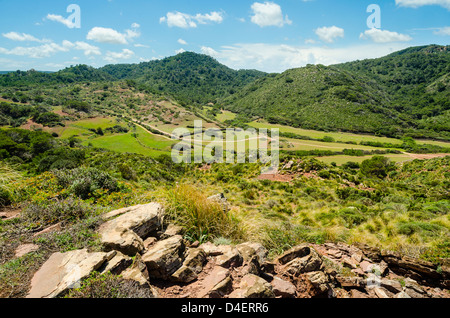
{"x": 212, "y": 283}
{"x": 26, "y": 249}
{"x": 63, "y": 271}
{"x": 125, "y": 233}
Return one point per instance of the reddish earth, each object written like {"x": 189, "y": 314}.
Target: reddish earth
{"x": 427, "y": 156}
{"x": 8, "y": 213}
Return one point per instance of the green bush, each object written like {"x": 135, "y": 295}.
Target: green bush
{"x": 377, "y": 167}
{"x": 5, "y": 197}
{"x": 351, "y": 216}
{"x": 100, "y": 286}
{"x": 68, "y": 210}
{"x": 84, "y": 182}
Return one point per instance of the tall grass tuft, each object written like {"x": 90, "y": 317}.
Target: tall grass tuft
{"x": 201, "y": 218}
{"x": 7, "y": 178}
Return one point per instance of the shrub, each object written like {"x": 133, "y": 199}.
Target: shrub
{"x": 127, "y": 172}
{"x": 84, "y": 182}
{"x": 351, "y": 216}
{"x": 67, "y": 211}
{"x": 377, "y": 167}
{"x": 100, "y": 286}
{"x": 7, "y": 176}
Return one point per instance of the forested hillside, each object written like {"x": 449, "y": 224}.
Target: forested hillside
{"x": 191, "y": 78}
{"x": 405, "y": 93}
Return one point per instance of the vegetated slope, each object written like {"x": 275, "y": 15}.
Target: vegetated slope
{"x": 317, "y": 97}
{"x": 191, "y": 78}
{"x": 79, "y": 73}
{"x": 405, "y": 93}
{"x": 418, "y": 82}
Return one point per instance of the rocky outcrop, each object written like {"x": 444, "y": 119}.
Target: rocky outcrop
{"x": 126, "y": 229}
{"x": 136, "y": 247}
{"x": 165, "y": 257}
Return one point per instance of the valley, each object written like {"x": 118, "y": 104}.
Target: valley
{"x": 364, "y": 161}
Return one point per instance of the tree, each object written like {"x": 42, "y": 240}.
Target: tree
{"x": 378, "y": 167}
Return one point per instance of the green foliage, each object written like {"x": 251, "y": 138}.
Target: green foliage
{"x": 403, "y": 94}
{"x": 68, "y": 210}
{"x": 377, "y": 167}
{"x": 98, "y": 286}
{"x": 86, "y": 182}
{"x": 191, "y": 78}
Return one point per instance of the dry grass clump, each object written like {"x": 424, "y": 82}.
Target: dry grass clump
{"x": 203, "y": 219}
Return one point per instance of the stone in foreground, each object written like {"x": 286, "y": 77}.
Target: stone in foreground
{"x": 125, "y": 233}
{"x": 64, "y": 271}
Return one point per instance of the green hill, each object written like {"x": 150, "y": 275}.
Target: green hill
{"x": 405, "y": 93}
{"x": 191, "y": 78}
{"x": 74, "y": 74}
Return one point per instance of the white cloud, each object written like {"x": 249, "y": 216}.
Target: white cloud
{"x": 421, "y": 3}
{"x": 41, "y": 51}
{"x": 278, "y": 58}
{"x": 310, "y": 41}
{"x": 182, "y": 42}
{"x": 22, "y": 37}
{"x": 50, "y": 49}
{"x": 106, "y": 35}
{"x": 180, "y": 51}
{"x": 141, "y": 45}
{"x": 329, "y": 34}
{"x": 443, "y": 31}
{"x": 209, "y": 51}
{"x": 57, "y": 18}
{"x": 111, "y": 36}
{"x": 87, "y": 48}
{"x": 185, "y": 21}
{"x": 384, "y": 36}
{"x": 114, "y": 57}
{"x": 268, "y": 14}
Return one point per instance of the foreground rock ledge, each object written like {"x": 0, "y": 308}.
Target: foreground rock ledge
{"x": 63, "y": 271}
{"x": 126, "y": 232}
{"x": 170, "y": 267}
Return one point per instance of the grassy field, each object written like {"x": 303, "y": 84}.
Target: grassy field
{"x": 339, "y": 137}
{"x": 296, "y": 144}
{"x": 144, "y": 144}
{"x": 225, "y": 115}
{"x": 341, "y": 159}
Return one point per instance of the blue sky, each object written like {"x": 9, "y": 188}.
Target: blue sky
{"x": 270, "y": 36}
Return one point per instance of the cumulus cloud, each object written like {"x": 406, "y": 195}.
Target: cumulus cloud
{"x": 421, "y": 3}
{"x": 50, "y": 49}
{"x": 45, "y": 50}
{"x": 22, "y": 37}
{"x": 114, "y": 57}
{"x": 442, "y": 31}
{"x": 278, "y": 58}
{"x": 186, "y": 21}
{"x": 182, "y": 42}
{"x": 87, "y": 48}
{"x": 106, "y": 35}
{"x": 58, "y": 18}
{"x": 111, "y": 36}
{"x": 329, "y": 34}
{"x": 384, "y": 36}
{"x": 209, "y": 51}
{"x": 268, "y": 14}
